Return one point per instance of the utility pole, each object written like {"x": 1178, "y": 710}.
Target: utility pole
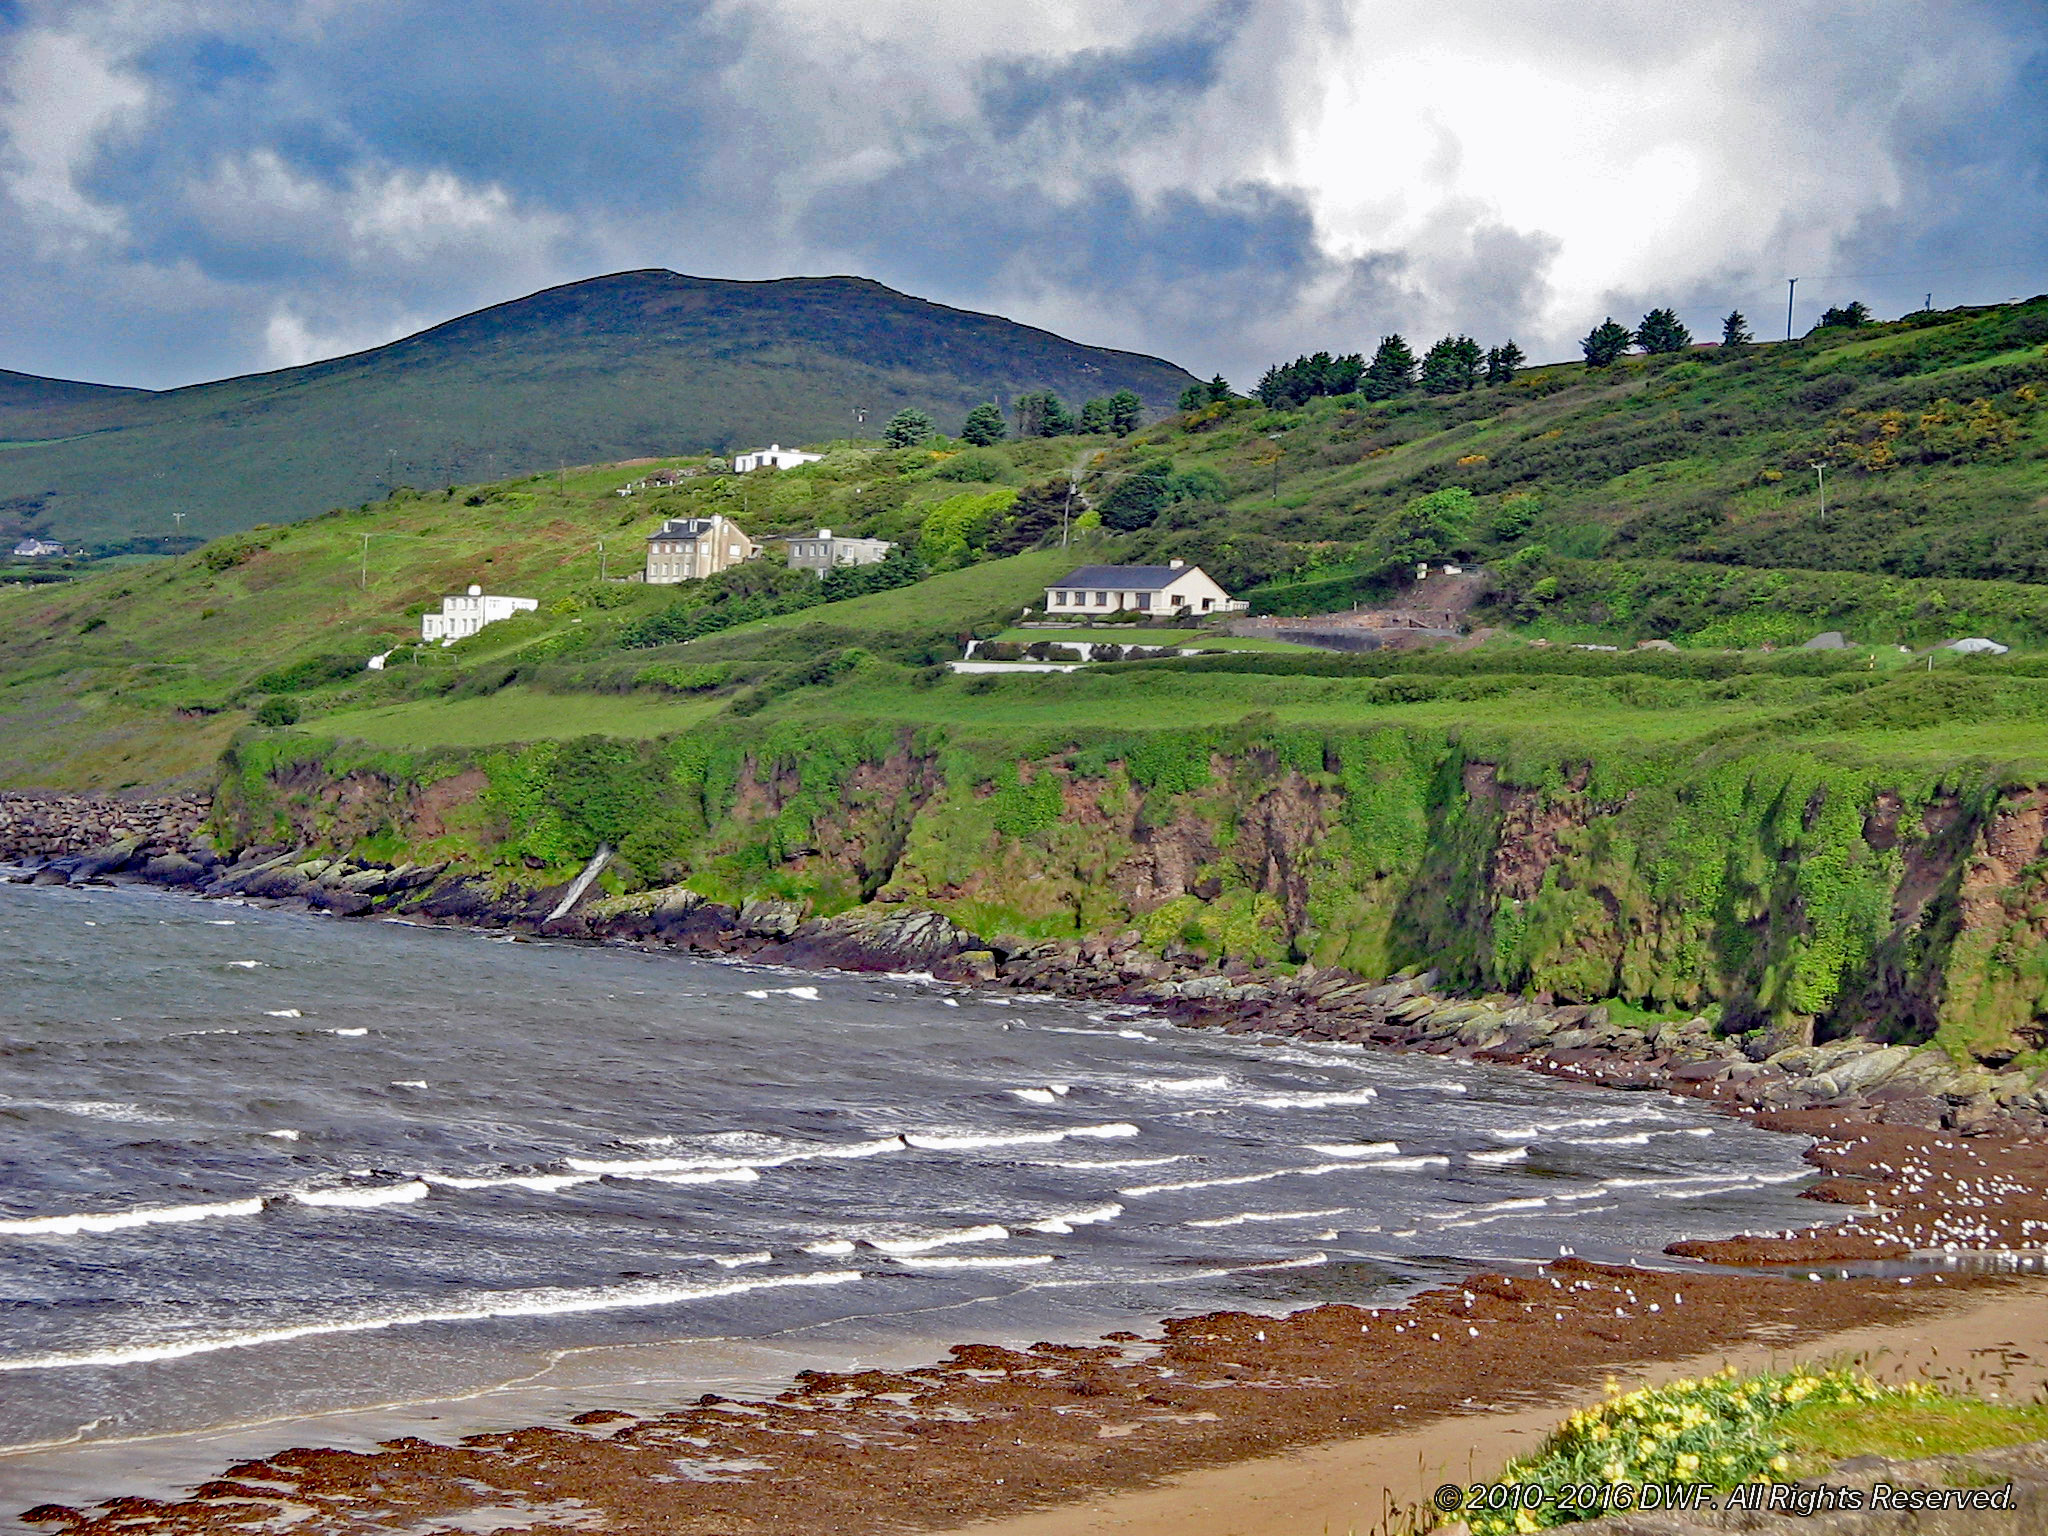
{"x": 1791, "y": 287}
{"x": 1066, "y": 511}
{"x": 178, "y": 521}
{"x": 600, "y": 559}
{"x": 1820, "y": 474}
{"x": 1929, "y": 305}
{"x": 365, "y": 578}
{"x": 1274, "y": 439}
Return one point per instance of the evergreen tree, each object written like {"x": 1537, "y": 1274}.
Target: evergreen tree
{"x": 1663, "y": 331}
{"x": 1735, "y": 330}
{"x": 1194, "y": 397}
{"x": 1126, "y": 413}
{"x": 1137, "y": 499}
{"x": 1857, "y": 313}
{"x": 1504, "y": 362}
{"x": 1605, "y": 343}
{"x": 907, "y": 428}
{"x": 1095, "y": 416}
{"x": 1392, "y": 369}
{"x": 1043, "y": 414}
{"x": 1451, "y": 366}
{"x": 1219, "y": 390}
{"x": 984, "y": 426}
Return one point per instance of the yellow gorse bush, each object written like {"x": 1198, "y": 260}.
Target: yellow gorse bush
{"x": 1719, "y": 1429}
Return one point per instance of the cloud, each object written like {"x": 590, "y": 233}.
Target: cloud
{"x": 190, "y": 187}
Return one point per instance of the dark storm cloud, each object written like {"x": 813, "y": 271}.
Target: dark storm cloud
{"x": 191, "y": 187}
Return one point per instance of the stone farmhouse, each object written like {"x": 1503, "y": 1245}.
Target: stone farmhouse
{"x": 691, "y": 548}
{"x": 821, "y": 551}
{"x": 461, "y": 617}
{"x": 774, "y": 456}
{"x": 1175, "y": 589}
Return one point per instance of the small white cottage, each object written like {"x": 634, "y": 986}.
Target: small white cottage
{"x": 461, "y": 617}
{"x": 774, "y": 456}
{"x": 1175, "y": 588}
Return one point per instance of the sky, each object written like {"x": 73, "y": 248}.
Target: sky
{"x": 196, "y": 188}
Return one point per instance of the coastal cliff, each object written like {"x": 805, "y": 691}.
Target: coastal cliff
{"x": 1743, "y": 918}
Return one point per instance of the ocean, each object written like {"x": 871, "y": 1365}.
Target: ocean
{"x": 256, "y": 1165}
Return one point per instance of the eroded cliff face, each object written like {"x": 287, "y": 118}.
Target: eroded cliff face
{"x": 1801, "y": 897}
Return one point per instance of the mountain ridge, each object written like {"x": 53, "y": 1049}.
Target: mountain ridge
{"x": 623, "y": 365}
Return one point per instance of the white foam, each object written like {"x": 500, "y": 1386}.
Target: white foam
{"x": 1318, "y": 1100}
{"x": 1508, "y": 1155}
{"x": 805, "y": 994}
{"x": 283, "y": 1135}
{"x": 364, "y": 1195}
{"x": 1068, "y": 1220}
{"x": 220, "y": 922}
{"x": 927, "y": 1240}
{"x": 246, "y": 965}
{"x": 974, "y": 1141}
{"x": 1242, "y": 1217}
{"x": 701, "y": 1176}
{"x": 1408, "y": 1164}
{"x": 992, "y": 1261}
{"x": 1356, "y": 1148}
{"x": 409, "y": 1082}
{"x": 784, "y": 1153}
{"x": 1111, "y": 1162}
{"x": 549, "y": 1301}
{"x": 1636, "y": 1139}
{"x": 1181, "y": 1085}
{"x": 831, "y": 1246}
{"x": 348, "y": 1033}
{"x": 1309, "y": 1261}
{"x": 540, "y": 1183}
{"x": 743, "y": 1260}
{"x": 115, "y": 1221}
{"x": 105, "y": 1109}
{"x": 1052, "y": 1093}
{"x": 282, "y": 1013}
{"x": 1246, "y": 1178}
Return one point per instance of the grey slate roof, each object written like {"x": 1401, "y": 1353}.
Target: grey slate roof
{"x": 682, "y": 528}
{"x": 1124, "y": 578}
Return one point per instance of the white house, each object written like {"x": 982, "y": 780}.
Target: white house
{"x": 36, "y": 549}
{"x": 774, "y": 456}
{"x": 1177, "y": 588}
{"x": 461, "y": 617}
{"x": 819, "y": 552}
{"x": 691, "y": 548}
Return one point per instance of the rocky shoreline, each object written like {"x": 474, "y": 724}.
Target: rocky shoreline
{"x": 72, "y": 840}
{"x": 1925, "y": 1155}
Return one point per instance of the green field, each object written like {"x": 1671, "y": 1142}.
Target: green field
{"x": 516, "y": 714}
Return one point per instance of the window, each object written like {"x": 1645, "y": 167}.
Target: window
{"x": 1144, "y": 599}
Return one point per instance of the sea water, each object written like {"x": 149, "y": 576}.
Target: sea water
{"x": 257, "y": 1164}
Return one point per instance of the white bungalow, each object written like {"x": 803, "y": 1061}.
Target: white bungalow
{"x": 461, "y": 617}
{"x": 1175, "y": 588}
{"x": 774, "y": 456}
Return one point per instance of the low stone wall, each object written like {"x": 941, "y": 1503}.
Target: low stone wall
{"x": 38, "y": 827}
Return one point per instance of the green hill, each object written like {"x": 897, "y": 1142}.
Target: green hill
{"x": 619, "y": 367}
{"x": 1665, "y": 497}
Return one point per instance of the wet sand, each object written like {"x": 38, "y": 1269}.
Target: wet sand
{"x": 1228, "y": 1421}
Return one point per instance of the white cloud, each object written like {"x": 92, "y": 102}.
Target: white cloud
{"x": 63, "y": 98}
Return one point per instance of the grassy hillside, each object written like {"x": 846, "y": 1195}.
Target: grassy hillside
{"x": 1833, "y": 841}
{"x": 638, "y": 363}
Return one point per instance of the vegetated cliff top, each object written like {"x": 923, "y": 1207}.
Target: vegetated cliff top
{"x": 616, "y": 367}
{"x": 1666, "y": 497}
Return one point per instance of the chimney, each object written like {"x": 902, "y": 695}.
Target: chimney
{"x": 1176, "y": 565}
{"x": 824, "y": 533}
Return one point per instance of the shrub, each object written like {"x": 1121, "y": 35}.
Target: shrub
{"x": 1720, "y": 1429}
{"x": 278, "y": 710}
